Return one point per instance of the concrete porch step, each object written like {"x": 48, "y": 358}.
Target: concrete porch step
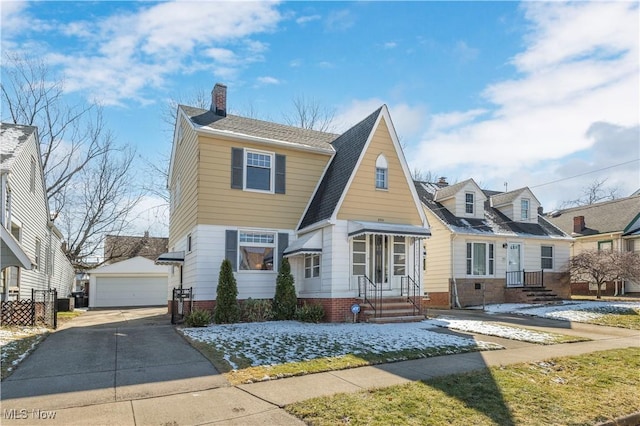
{"x": 396, "y": 319}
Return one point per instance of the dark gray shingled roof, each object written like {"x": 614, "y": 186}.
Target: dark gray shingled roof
{"x": 348, "y": 147}
{"x": 12, "y": 137}
{"x": 494, "y": 222}
{"x": 503, "y": 198}
{"x": 258, "y": 128}
{"x": 599, "y": 218}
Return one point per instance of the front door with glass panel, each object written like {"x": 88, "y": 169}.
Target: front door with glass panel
{"x": 514, "y": 264}
{"x": 381, "y": 258}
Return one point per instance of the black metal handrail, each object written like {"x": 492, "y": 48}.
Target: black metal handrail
{"x": 525, "y": 278}
{"x": 365, "y": 288}
{"x": 413, "y": 290}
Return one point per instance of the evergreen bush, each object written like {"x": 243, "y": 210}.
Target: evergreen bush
{"x": 285, "y": 300}
{"x": 227, "y": 309}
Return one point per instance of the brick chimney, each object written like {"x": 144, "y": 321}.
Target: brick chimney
{"x": 219, "y": 100}
{"x": 578, "y": 224}
{"x": 442, "y": 182}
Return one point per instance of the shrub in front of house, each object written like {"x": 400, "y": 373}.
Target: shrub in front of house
{"x": 227, "y": 309}
{"x": 285, "y": 300}
{"x": 256, "y": 310}
{"x": 310, "y": 313}
{"x": 198, "y": 318}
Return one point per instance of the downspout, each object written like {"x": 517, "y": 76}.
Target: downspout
{"x": 453, "y": 274}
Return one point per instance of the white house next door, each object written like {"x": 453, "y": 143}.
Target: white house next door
{"x": 514, "y": 265}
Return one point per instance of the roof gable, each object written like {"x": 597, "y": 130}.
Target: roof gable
{"x": 12, "y": 142}
{"x": 445, "y": 192}
{"x": 349, "y": 147}
{"x": 504, "y": 198}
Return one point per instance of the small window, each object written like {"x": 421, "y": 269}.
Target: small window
{"x": 382, "y": 172}
{"x": 189, "y": 243}
{"x": 37, "y": 254}
{"x": 256, "y": 251}
{"x": 32, "y": 178}
{"x": 524, "y": 209}
{"x": 469, "y": 202}
{"x": 546, "y": 257}
{"x": 311, "y": 265}
{"x": 631, "y": 245}
{"x": 258, "y": 171}
{"x": 399, "y": 256}
{"x": 605, "y": 245}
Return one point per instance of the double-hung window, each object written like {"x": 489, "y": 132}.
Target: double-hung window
{"x": 480, "y": 259}
{"x": 524, "y": 209}
{"x": 546, "y": 257}
{"x": 468, "y": 202}
{"x": 382, "y": 172}
{"x": 256, "y": 251}
{"x": 259, "y": 171}
{"x": 311, "y": 265}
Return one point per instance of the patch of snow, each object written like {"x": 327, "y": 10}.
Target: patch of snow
{"x": 279, "y": 342}
{"x": 578, "y": 311}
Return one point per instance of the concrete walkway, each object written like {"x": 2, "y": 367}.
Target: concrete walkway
{"x": 132, "y": 368}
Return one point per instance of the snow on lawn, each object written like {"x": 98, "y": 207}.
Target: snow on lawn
{"x": 279, "y": 342}
{"x": 578, "y": 311}
{"x": 11, "y": 351}
{"x": 491, "y": 329}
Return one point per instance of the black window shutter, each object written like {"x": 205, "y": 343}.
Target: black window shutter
{"x": 231, "y": 248}
{"x": 281, "y": 165}
{"x": 283, "y": 242}
{"x": 237, "y": 166}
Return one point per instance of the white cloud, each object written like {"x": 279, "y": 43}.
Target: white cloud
{"x": 579, "y": 68}
{"x": 309, "y": 18}
{"x": 390, "y": 45}
{"x": 157, "y": 40}
{"x": 268, "y": 80}
{"x": 339, "y": 20}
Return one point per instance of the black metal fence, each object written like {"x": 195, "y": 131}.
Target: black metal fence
{"x": 41, "y": 310}
{"x": 525, "y": 278}
{"x": 181, "y": 304}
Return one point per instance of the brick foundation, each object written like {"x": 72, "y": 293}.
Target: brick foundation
{"x": 336, "y": 310}
{"x": 440, "y": 300}
{"x": 582, "y": 289}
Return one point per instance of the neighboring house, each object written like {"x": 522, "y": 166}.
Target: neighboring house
{"x": 342, "y": 208}
{"x": 489, "y": 246}
{"x": 610, "y": 225}
{"x": 122, "y": 247}
{"x": 32, "y": 256}
{"x": 132, "y": 282}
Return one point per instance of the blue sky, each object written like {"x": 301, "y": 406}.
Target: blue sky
{"x": 524, "y": 93}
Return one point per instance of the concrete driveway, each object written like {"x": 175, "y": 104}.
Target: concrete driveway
{"x": 109, "y": 355}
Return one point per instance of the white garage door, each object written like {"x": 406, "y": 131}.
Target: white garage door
{"x": 130, "y": 291}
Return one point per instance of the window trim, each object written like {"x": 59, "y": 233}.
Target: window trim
{"x": 272, "y": 170}
{"x": 467, "y": 203}
{"x": 490, "y": 260}
{"x": 312, "y": 268}
{"x": 605, "y": 242}
{"x": 525, "y": 214}
{"x": 241, "y": 244}
{"x": 382, "y": 170}
{"x": 551, "y": 258}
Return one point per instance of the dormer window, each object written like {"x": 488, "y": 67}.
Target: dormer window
{"x": 381, "y": 172}
{"x": 524, "y": 209}
{"x": 469, "y": 202}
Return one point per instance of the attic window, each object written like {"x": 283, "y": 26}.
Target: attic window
{"x": 381, "y": 172}
{"x": 469, "y": 202}
{"x": 524, "y": 209}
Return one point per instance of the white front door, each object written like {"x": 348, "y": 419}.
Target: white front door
{"x": 514, "y": 265}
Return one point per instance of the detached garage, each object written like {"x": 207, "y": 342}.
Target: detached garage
{"x": 132, "y": 282}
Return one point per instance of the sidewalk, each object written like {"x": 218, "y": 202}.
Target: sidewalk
{"x": 261, "y": 403}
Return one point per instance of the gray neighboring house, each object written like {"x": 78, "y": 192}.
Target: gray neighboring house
{"x": 609, "y": 225}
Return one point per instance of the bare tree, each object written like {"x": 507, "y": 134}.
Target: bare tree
{"x": 593, "y": 193}
{"x": 86, "y": 178}
{"x": 423, "y": 176}
{"x": 602, "y": 266}
{"x": 310, "y": 114}
{"x": 102, "y": 201}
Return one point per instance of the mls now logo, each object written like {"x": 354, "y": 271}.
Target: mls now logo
{"x": 23, "y": 414}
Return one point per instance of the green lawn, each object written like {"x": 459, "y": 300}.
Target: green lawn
{"x": 581, "y": 390}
